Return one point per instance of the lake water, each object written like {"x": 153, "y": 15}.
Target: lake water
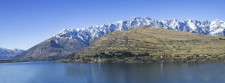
{"x": 53, "y": 72}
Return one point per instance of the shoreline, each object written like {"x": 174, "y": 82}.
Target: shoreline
{"x": 133, "y": 59}
{"x": 149, "y": 59}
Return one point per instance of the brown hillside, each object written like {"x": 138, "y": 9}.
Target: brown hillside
{"x": 149, "y": 44}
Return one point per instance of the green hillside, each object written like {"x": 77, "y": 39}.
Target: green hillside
{"x": 149, "y": 44}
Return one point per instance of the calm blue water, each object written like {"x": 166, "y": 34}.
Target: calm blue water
{"x": 53, "y": 72}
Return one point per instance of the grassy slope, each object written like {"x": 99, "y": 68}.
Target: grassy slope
{"x": 149, "y": 44}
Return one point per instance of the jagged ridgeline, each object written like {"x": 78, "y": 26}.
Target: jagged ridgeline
{"x": 70, "y": 41}
{"x": 149, "y": 44}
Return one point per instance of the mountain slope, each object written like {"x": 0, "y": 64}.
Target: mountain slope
{"x": 85, "y": 36}
{"x": 9, "y": 53}
{"x": 52, "y": 49}
{"x": 148, "y": 44}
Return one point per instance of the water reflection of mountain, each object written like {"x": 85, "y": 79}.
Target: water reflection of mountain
{"x": 129, "y": 73}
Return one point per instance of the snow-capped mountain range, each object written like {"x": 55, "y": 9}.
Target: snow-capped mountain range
{"x": 90, "y": 34}
{"x": 71, "y": 41}
{"x": 8, "y": 53}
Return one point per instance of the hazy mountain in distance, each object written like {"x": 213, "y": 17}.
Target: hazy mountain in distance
{"x": 9, "y": 53}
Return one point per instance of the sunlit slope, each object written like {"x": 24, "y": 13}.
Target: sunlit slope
{"x": 150, "y": 42}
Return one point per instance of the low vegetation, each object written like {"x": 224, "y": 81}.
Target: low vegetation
{"x": 149, "y": 44}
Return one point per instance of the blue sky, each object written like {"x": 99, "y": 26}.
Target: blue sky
{"x": 25, "y": 23}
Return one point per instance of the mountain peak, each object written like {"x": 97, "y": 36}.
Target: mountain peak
{"x": 148, "y": 18}
{"x": 217, "y": 21}
{"x": 64, "y": 31}
{"x": 137, "y": 18}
